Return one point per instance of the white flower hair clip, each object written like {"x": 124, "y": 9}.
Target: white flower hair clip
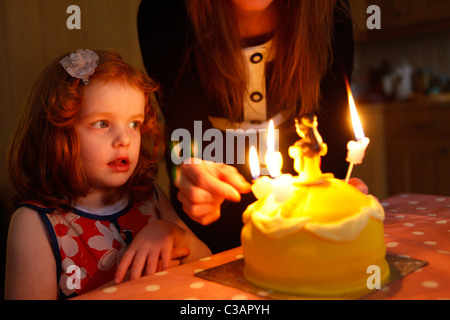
{"x": 81, "y": 64}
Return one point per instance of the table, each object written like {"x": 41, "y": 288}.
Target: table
{"x": 416, "y": 226}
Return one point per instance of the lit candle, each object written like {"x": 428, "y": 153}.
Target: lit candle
{"x": 274, "y": 160}
{"x": 356, "y": 149}
{"x": 262, "y": 186}
{"x": 281, "y": 185}
{"x": 254, "y": 163}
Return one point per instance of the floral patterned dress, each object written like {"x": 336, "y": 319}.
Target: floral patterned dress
{"x": 88, "y": 244}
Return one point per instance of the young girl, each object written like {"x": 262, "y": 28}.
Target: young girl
{"x": 82, "y": 162}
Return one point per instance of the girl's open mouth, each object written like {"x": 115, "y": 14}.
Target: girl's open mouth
{"x": 120, "y": 164}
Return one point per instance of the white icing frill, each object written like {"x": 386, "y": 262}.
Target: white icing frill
{"x": 274, "y": 225}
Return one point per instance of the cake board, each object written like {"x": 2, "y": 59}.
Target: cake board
{"x": 232, "y": 274}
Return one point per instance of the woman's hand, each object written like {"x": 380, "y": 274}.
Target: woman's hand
{"x": 152, "y": 248}
{"x": 204, "y": 187}
{"x": 359, "y": 184}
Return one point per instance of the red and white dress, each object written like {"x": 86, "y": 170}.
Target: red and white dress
{"x": 88, "y": 244}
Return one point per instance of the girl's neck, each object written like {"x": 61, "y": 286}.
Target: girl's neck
{"x": 97, "y": 199}
{"x": 255, "y": 24}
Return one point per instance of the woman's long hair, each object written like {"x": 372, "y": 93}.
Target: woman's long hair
{"x": 43, "y": 159}
{"x": 302, "y": 40}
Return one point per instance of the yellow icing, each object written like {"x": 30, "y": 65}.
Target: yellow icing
{"x": 341, "y": 222}
{"x": 319, "y": 242}
{"x": 304, "y": 264}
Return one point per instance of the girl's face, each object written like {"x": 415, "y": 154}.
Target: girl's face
{"x": 108, "y": 126}
{"x": 252, "y": 5}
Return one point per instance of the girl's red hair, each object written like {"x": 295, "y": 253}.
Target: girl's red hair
{"x": 43, "y": 158}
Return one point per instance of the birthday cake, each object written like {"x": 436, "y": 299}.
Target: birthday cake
{"x": 312, "y": 234}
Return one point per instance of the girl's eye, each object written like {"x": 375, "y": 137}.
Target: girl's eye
{"x": 102, "y": 124}
{"x": 135, "y": 125}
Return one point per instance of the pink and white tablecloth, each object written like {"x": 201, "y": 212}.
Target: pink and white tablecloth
{"x": 416, "y": 226}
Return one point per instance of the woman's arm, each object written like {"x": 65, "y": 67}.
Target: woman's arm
{"x": 30, "y": 263}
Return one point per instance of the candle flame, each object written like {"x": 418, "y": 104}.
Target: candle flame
{"x": 271, "y": 137}
{"x": 254, "y": 163}
{"x": 274, "y": 160}
{"x": 356, "y": 122}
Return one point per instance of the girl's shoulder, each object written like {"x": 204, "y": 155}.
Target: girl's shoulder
{"x": 27, "y": 220}
{"x": 24, "y": 213}
{"x": 35, "y": 206}
{"x": 27, "y": 229}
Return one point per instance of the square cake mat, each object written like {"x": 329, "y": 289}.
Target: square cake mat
{"x": 232, "y": 274}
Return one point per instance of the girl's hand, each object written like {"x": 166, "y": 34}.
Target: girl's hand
{"x": 152, "y": 248}
{"x": 204, "y": 187}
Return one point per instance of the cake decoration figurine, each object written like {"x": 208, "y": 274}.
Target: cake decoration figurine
{"x": 307, "y": 151}
{"x": 320, "y": 237}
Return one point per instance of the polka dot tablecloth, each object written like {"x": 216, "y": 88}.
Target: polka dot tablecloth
{"x": 416, "y": 226}
{"x": 177, "y": 283}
